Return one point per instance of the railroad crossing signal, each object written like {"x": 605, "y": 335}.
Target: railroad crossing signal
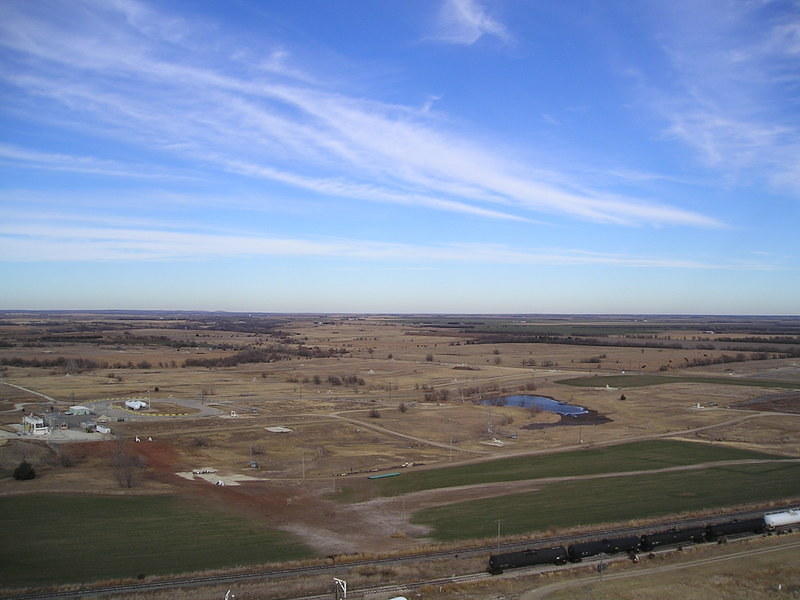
{"x": 340, "y": 589}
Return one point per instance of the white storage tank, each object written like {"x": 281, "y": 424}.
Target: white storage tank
{"x": 783, "y": 518}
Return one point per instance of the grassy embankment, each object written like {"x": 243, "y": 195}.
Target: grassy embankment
{"x": 613, "y": 500}
{"x": 726, "y": 572}
{"x": 627, "y": 381}
{"x": 636, "y": 456}
{"x": 48, "y": 539}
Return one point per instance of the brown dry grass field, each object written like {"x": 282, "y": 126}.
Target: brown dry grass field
{"x": 360, "y": 395}
{"x": 754, "y": 571}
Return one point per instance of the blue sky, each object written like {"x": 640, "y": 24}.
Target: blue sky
{"x": 401, "y": 156}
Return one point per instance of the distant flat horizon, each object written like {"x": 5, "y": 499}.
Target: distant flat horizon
{"x": 640, "y": 317}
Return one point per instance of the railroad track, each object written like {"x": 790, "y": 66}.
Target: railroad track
{"x": 401, "y": 588}
{"x": 394, "y": 589}
{"x": 546, "y": 590}
{"x": 334, "y": 568}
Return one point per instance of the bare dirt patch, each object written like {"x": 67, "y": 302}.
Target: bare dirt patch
{"x": 786, "y": 402}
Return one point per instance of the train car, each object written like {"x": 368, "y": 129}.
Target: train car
{"x": 527, "y": 558}
{"x": 632, "y": 544}
{"x": 577, "y": 552}
{"x": 784, "y": 518}
{"x": 672, "y": 536}
{"x": 734, "y": 527}
{"x": 623, "y": 544}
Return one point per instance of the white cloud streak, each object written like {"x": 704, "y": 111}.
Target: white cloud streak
{"x": 737, "y": 69}
{"x": 64, "y": 237}
{"x": 465, "y": 22}
{"x": 123, "y": 70}
{"x": 32, "y": 159}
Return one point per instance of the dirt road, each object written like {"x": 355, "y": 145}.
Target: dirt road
{"x": 437, "y": 497}
{"x": 24, "y": 389}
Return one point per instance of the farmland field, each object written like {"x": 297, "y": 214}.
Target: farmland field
{"x": 627, "y": 457}
{"x": 359, "y": 395}
{"x": 86, "y": 538}
{"x": 609, "y": 500}
{"x": 628, "y": 381}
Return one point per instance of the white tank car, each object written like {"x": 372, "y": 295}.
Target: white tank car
{"x": 783, "y": 518}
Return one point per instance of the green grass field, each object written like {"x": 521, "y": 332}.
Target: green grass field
{"x": 625, "y": 457}
{"x": 48, "y": 539}
{"x": 627, "y": 381}
{"x": 612, "y": 500}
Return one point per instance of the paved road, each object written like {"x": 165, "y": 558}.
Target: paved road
{"x": 112, "y": 407}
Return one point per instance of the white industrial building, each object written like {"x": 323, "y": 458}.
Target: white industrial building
{"x": 136, "y": 404}
{"x": 33, "y": 425}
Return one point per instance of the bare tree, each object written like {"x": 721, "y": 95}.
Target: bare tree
{"x": 126, "y": 465}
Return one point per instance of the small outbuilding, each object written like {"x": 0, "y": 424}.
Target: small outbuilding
{"x": 79, "y": 410}
{"x": 33, "y": 425}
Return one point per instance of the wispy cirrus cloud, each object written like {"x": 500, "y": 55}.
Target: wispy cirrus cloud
{"x": 32, "y": 159}
{"x": 124, "y": 71}
{"x": 732, "y": 95}
{"x": 465, "y": 22}
{"x": 70, "y": 237}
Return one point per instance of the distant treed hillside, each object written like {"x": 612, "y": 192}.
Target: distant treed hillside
{"x": 622, "y": 325}
{"x": 268, "y": 354}
{"x": 629, "y": 335}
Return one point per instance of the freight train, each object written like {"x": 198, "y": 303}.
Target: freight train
{"x": 558, "y": 555}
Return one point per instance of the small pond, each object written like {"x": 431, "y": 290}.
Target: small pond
{"x": 540, "y": 402}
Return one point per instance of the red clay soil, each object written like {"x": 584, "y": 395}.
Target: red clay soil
{"x": 258, "y": 500}
{"x": 159, "y": 456}
{"x": 90, "y": 449}
{"x": 293, "y": 505}
{"x": 275, "y": 504}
